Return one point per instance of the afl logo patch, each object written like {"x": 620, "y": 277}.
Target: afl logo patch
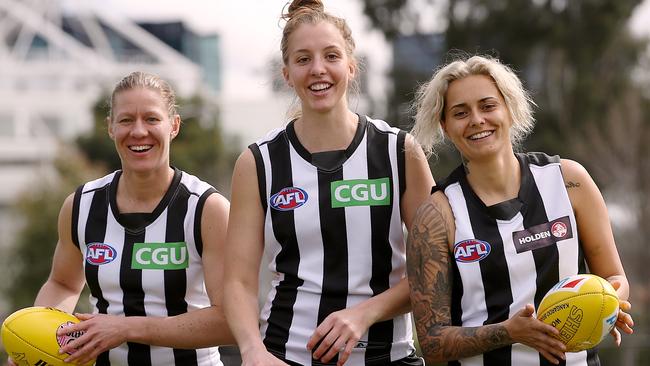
{"x": 100, "y": 253}
{"x": 471, "y": 250}
{"x": 288, "y": 199}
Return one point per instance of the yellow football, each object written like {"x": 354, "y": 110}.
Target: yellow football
{"x": 29, "y": 336}
{"x": 584, "y": 308}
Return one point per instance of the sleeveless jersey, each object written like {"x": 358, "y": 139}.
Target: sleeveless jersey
{"x": 512, "y": 253}
{"x": 334, "y": 238}
{"x": 153, "y": 270}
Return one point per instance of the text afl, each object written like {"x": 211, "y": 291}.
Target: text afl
{"x": 289, "y": 198}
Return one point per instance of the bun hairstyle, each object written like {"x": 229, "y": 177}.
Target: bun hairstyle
{"x": 300, "y": 5}
{"x": 312, "y": 12}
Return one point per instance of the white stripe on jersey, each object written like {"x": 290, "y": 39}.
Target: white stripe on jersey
{"x": 473, "y": 300}
{"x": 550, "y": 192}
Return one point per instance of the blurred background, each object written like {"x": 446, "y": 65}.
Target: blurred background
{"x": 586, "y": 63}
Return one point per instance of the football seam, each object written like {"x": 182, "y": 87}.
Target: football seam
{"x": 561, "y": 300}
{"x": 28, "y": 342}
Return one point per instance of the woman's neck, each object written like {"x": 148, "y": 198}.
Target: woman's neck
{"x": 138, "y": 192}
{"x": 326, "y": 132}
{"x": 496, "y": 179}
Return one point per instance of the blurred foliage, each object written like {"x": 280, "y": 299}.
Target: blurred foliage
{"x": 39, "y": 209}
{"x": 574, "y": 56}
{"x": 200, "y": 149}
{"x": 590, "y": 79}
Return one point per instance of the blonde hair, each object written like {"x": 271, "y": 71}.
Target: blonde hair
{"x": 430, "y": 99}
{"x": 139, "y": 79}
{"x": 302, "y": 12}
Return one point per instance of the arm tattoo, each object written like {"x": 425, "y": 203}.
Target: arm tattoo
{"x": 572, "y": 184}
{"x": 429, "y": 275}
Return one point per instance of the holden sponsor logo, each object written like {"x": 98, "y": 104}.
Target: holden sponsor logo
{"x": 471, "y": 250}
{"x": 100, "y": 253}
{"x": 559, "y": 230}
{"x": 289, "y": 198}
{"x": 542, "y": 235}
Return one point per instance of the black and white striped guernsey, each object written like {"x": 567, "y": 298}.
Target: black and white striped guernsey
{"x": 151, "y": 269}
{"x": 333, "y": 237}
{"x": 512, "y": 253}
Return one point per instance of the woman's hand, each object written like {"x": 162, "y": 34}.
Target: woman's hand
{"x": 339, "y": 333}
{"x": 101, "y": 333}
{"x": 524, "y": 328}
{"x": 624, "y": 322}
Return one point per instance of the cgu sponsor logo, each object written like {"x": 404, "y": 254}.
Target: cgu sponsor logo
{"x": 160, "y": 256}
{"x": 360, "y": 192}
{"x": 100, "y": 253}
{"x": 288, "y": 199}
{"x": 471, "y": 250}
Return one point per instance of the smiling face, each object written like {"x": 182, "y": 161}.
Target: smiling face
{"x": 142, "y": 130}
{"x": 477, "y": 119}
{"x": 318, "y": 67}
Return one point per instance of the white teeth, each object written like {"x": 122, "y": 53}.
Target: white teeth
{"x": 319, "y": 86}
{"x": 480, "y": 135}
{"x": 140, "y": 147}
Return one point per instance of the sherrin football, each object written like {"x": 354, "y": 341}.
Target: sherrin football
{"x": 584, "y": 308}
{"x": 29, "y": 336}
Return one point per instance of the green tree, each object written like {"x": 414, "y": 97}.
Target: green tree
{"x": 27, "y": 263}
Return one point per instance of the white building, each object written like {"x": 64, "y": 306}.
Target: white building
{"x": 54, "y": 66}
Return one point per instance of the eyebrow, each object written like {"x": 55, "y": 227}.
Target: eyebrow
{"x": 328, "y": 48}
{"x": 480, "y": 101}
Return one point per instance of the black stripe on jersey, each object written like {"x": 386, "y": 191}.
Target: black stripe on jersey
{"x": 133, "y": 298}
{"x": 592, "y": 357}
{"x": 75, "y": 216}
{"x": 496, "y": 284}
{"x": 546, "y": 258}
{"x": 198, "y": 240}
{"x": 379, "y": 166}
{"x": 261, "y": 174}
{"x": 335, "y": 249}
{"x": 401, "y": 161}
{"x": 96, "y": 233}
{"x": 176, "y": 279}
{"x": 287, "y": 260}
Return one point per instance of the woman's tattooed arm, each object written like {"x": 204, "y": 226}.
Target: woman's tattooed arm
{"x": 429, "y": 274}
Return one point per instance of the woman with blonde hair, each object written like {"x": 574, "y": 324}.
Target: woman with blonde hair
{"x": 474, "y": 284}
{"x": 147, "y": 240}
